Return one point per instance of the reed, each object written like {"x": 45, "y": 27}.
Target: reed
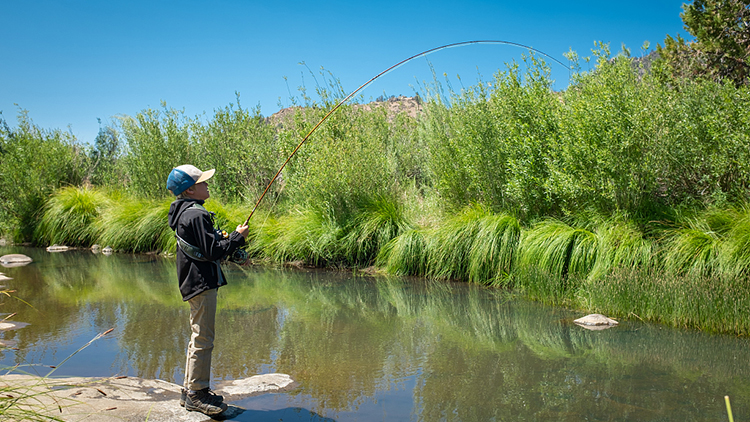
{"x": 735, "y": 257}
{"x": 713, "y": 304}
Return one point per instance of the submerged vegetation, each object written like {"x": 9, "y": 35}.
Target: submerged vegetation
{"x": 626, "y": 193}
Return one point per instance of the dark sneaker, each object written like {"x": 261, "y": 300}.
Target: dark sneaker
{"x": 183, "y": 395}
{"x": 204, "y": 401}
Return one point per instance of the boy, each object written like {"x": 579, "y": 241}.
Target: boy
{"x": 199, "y": 253}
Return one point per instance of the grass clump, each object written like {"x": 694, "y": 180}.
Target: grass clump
{"x": 307, "y": 235}
{"x": 68, "y": 216}
{"x": 621, "y": 245}
{"x": 379, "y": 221}
{"x": 137, "y": 226}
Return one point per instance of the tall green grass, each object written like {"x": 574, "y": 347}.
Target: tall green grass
{"x": 380, "y": 220}
{"x": 622, "y": 245}
{"x": 68, "y": 216}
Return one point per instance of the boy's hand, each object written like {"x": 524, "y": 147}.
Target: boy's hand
{"x": 244, "y": 230}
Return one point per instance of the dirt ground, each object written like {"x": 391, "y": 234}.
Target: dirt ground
{"x": 121, "y": 398}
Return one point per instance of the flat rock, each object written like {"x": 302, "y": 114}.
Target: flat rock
{"x": 258, "y": 384}
{"x": 12, "y": 325}
{"x": 596, "y": 322}
{"x": 14, "y": 260}
{"x": 57, "y": 248}
{"x": 115, "y": 399}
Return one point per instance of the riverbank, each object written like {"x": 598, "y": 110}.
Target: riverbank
{"x": 122, "y": 398}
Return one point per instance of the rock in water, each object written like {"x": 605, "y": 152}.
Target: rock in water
{"x": 596, "y": 322}
{"x": 258, "y": 384}
{"x": 12, "y": 325}
{"x": 57, "y": 248}
{"x": 14, "y": 260}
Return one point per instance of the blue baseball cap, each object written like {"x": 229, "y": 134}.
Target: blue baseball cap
{"x": 184, "y": 176}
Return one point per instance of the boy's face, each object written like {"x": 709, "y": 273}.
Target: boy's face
{"x": 199, "y": 191}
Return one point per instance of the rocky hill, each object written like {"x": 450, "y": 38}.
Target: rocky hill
{"x": 410, "y": 106}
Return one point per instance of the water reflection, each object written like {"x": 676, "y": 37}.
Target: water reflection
{"x": 365, "y": 348}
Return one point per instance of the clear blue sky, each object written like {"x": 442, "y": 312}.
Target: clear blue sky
{"x": 71, "y": 62}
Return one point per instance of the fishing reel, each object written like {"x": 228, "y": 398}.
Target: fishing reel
{"x": 239, "y": 256}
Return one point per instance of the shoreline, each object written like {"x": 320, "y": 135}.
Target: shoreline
{"x": 123, "y": 398}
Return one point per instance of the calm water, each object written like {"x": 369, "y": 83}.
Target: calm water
{"x": 371, "y": 349}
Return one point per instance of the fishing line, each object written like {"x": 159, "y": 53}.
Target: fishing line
{"x": 395, "y": 66}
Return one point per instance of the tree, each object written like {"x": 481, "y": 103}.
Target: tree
{"x": 721, "y": 49}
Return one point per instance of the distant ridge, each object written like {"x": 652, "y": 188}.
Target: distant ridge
{"x": 411, "y": 106}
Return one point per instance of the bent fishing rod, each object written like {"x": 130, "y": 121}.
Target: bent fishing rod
{"x": 353, "y": 93}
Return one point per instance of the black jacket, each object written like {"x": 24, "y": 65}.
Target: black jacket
{"x": 194, "y": 226}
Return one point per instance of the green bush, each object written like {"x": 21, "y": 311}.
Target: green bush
{"x": 33, "y": 164}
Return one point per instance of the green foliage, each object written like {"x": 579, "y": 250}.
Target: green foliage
{"x": 715, "y": 304}
{"x": 307, "y": 235}
{"x": 405, "y": 255}
{"x": 69, "y": 215}
{"x": 158, "y": 141}
{"x": 378, "y": 222}
{"x": 622, "y": 245}
{"x": 491, "y": 144}
{"x": 240, "y": 144}
{"x": 604, "y": 158}
{"x": 33, "y": 164}
{"x": 721, "y": 43}
{"x": 134, "y": 225}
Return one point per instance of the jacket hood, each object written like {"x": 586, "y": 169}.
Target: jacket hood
{"x": 177, "y": 208}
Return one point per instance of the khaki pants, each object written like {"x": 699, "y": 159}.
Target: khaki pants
{"x": 202, "y": 319}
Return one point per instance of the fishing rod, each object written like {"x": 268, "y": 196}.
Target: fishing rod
{"x": 353, "y": 93}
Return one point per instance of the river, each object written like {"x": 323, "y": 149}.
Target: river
{"x": 368, "y": 348}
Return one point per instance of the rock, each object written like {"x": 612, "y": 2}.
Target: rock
{"x": 3, "y": 242}
{"x": 596, "y": 322}
{"x": 107, "y": 251}
{"x": 12, "y": 325}
{"x": 57, "y": 248}
{"x": 14, "y": 260}
{"x": 113, "y": 399}
{"x": 96, "y": 249}
{"x": 258, "y": 384}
